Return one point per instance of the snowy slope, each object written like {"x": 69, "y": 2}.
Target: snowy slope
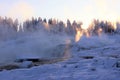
{"x": 92, "y": 59}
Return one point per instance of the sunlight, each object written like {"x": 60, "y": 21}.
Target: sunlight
{"x": 67, "y": 49}
{"x": 21, "y": 10}
{"x": 46, "y": 26}
{"x": 86, "y": 23}
{"x": 99, "y": 31}
{"x": 78, "y": 35}
{"x": 114, "y": 24}
{"x": 87, "y": 34}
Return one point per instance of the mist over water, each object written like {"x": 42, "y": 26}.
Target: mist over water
{"x": 41, "y": 44}
{"x": 37, "y": 44}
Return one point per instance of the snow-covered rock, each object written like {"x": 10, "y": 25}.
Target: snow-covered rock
{"x": 25, "y": 64}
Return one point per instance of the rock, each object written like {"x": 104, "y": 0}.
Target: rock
{"x": 25, "y": 64}
{"x": 27, "y": 59}
{"x": 76, "y": 66}
{"x": 118, "y": 64}
{"x": 87, "y": 57}
{"x": 8, "y": 67}
{"x": 93, "y": 69}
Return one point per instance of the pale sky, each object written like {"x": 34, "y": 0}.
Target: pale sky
{"x": 80, "y": 10}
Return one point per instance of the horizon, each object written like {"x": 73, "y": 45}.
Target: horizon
{"x": 79, "y": 10}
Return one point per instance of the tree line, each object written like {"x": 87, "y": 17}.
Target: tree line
{"x": 10, "y": 27}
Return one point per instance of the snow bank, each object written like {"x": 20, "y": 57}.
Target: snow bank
{"x": 96, "y": 41}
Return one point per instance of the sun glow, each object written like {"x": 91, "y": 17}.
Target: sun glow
{"x": 46, "y": 26}
{"x": 99, "y": 31}
{"x": 78, "y": 35}
{"x": 21, "y": 10}
{"x": 86, "y": 23}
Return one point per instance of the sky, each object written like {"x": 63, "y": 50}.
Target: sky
{"x": 79, "y": 10}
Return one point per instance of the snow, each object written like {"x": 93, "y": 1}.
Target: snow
{"x": 105, "y": 51}
{"x": 25, "y": 64}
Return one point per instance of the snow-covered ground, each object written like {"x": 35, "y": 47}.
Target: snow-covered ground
{"x": 91, "y": 58}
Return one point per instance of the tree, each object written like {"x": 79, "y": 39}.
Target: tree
{"x": 45, "y": 21}
{"x": 15, "y": 25}
{"x": 50, "y": 22}
{"x": 68, "y": 28}
{"x": 61, "y": 26}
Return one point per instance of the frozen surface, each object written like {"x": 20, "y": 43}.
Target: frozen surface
{"x": 105, "y": 52}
